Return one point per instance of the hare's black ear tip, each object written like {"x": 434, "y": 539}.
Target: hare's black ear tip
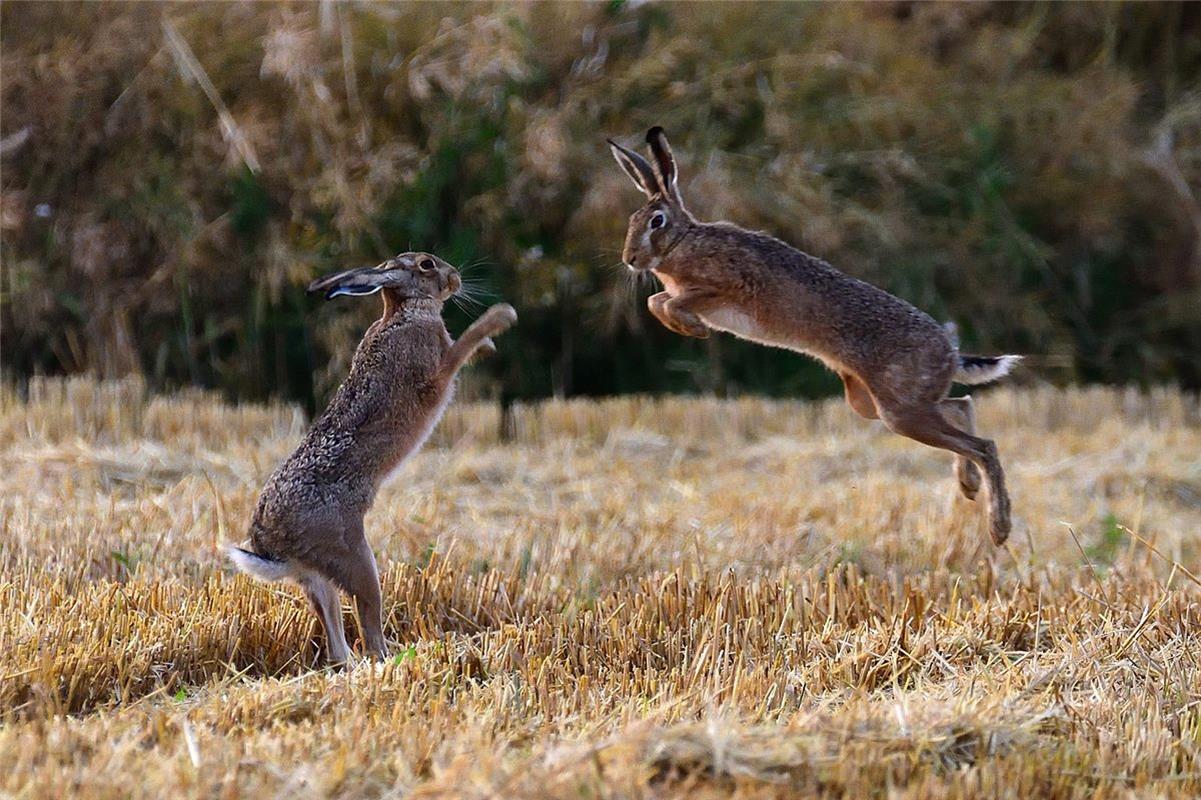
{"x": 653, "y": 134}
{"x": 610, "y": 142}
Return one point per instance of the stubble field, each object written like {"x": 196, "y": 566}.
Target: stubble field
{"x": 632, "y": 598}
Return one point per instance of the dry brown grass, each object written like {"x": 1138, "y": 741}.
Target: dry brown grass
{"x": 637, "y": 598}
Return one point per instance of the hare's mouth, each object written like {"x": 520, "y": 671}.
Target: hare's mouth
{"x": 352, "y": 291}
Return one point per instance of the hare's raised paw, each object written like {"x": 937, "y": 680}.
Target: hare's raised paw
{"x": 655, "y": 303}
{"x": 686, "y": 325}
{"x": 500, "y": 317}
{"x": 678, "y": 321}
{"x": 486, "y": 348}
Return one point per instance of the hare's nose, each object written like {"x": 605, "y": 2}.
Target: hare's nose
{"x": 453, "y": 282}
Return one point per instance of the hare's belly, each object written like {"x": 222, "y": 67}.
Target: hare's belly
{"x": 744, "y": 326}
{"x": 741, "y": 324}
{"x": 416, "y": 438}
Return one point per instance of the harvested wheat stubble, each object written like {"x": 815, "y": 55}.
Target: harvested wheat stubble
{"x": 637, "y": 597}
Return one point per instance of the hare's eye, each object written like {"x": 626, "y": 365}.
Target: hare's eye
{"x": 426, "y": 264}
{"x": 658, "y": 219}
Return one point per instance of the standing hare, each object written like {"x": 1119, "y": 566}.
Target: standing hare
{"x": 896, "y": 363}
{"x": 308, "y": 526}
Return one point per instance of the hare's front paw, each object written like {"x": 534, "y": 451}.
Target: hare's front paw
{"x": 500, "y": 318}
{"x": 684, "y": 323}
{"x": 655, "y": 304}
{"x": 486, "y": 348}
{"x": 691, "y": 325}
{"x": 676, "y": 320}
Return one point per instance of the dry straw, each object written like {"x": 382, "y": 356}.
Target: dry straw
{"x": 636, "y": 597}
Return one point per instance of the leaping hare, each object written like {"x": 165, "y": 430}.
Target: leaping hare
{"x": 896, "y": 363}
{"x": 308, "y": 526}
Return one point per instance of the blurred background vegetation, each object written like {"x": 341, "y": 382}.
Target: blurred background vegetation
{"x": 174, "y": 174}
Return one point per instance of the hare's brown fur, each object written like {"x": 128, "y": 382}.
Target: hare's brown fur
{"x": 896, "y": 362}
{"x": 308, "y": 525}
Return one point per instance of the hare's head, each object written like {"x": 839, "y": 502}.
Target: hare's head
{"x": 408, "y": 276}
{"x": 660, "y": 224}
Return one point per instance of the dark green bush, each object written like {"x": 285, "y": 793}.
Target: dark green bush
{"x": 174, "y": 175}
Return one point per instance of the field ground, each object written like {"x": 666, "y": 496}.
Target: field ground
{"x": 668, "y": 598}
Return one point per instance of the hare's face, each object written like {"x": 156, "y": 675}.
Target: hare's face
{"x": 653, "y": 229}
{"x": 659, "y": 225}
{"x": 408, "y": 276}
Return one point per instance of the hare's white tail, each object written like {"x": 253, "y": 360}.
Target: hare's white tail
{"x": 982, "y": 369}
{"x": 261, "y": 567}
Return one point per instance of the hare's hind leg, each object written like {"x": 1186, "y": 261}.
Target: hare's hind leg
{"x": 323, "y": 597}
{"x": 926, "y": 424}
{"x": 358, "y": 575}
{"x": 960, "y": 413}
{"x": 859, "y": 398}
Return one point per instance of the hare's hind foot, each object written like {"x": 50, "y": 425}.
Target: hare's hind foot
{"x": 926, "y": 424}
{"x": 356, "y": 573}
{"x": 999, "y": 531}
{"x": 960, "y": 412}
{"x": 968, "y": 477}
{"x": 323, "y": 599}
{"x": 1000, "y": 522}
{"x": 999, "y": 528}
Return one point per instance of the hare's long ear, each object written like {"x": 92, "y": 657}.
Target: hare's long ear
{"x": 636, "y": 167}
{"x": 665, "y": 164}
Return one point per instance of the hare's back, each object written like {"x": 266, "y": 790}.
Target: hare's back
{"x": 843, "y": 319}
